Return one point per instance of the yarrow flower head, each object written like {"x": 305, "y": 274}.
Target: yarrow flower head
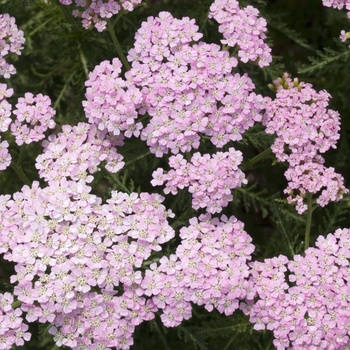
{"x": 11, "y": 41}
{"x": 95, "y": 12}
{"x": 112, "y": 102}
{"x": 313, "y": 178}
{"x": 310, "y": 309}
{"x": 188, "y": 88}
{"x": 337, "y": 4}
{"x": 301, "y": 120}
{"x": 5, "y": 121}
{"x": 77, "y": 260}
{"x": 5, "y": 107}
{"x": 209, "y": 268}
{"x": 34, "y": 116}
{"x": 13, "y": 332}
{"x": 210, "y": 178}
{"x": 77, "y": 152}
{"x": 244, "y": 28}
{"x": 304, "y": 127}
{"x": 5, "y": 156}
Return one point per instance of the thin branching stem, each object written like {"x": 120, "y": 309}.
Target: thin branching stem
{"x": 310, "y": 209}
{"x": 250, "y": 163}
{"x": 117, "y": 46}
{"x": 84, "y": 62}
{"x": 161, "y": 335}
{"x": 17, "y": 168}
{"x": 19, "y": 171}
{"x": 138, "y": 158}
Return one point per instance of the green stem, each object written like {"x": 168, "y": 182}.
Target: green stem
{"x": 65, "y": 87}
{"x": 161, "y": 336}
{"x": 20, "y": 156}
{"x": 117, "y": 45}
{"x": 231, "y": 340}
{"x": 250, "y": 162}
{"x": 308, "y": 220}
{"x": 69, "y": 17}
{"x": 18, "y": 170}
{"x": 84, "y": 62}
{"x": 138, "y": 158}
{"x": 119, "y": 183}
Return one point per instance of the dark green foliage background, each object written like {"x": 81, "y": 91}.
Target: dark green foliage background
{"x": 303, "y": 35}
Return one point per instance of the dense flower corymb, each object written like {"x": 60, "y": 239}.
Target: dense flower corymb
{"x": 209, "y": 268}
{"x": 95, "y": 12}
{"x": 77, "y": 152}
{"x": 313, "y": 178}
{"x": 188, "y": 87}
{"x": 34, "y": 116}
{"x": 5, "y": 121}
{"x": 12, "y": 331}
{"x": 244, "y": 28}
{"x": 310, "y": 310}
{"x": 210, "y": 178}
{"x": 112, "y": 103}
{"x": 11, "y": 41}
{"x": 77, "y": 260}
{"x": 337, "y": 4}
{"x": 304, "y": 127}
{"x": 301, "y": 120}
{"x": 5, "y": 156}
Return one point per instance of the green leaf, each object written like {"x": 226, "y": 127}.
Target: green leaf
{"x": 324, "y": 58}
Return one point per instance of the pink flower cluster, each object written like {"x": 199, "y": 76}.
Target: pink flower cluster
{"x": 5, "y": 108}
{"x": 112, "y": 103}
{"x": 210, "y": 179}
{"x": 95, "y": 12}
{"x": 314, "y": 178}
{"x": 5, "y": 156}
{"x": 34, "y": 115}
{"x": 77, "y": 152}
{"x": 337, "y": 4}
{"x": 312, "y": 311}
{"x": 304, "y": 127}
{"x": 242, "y": 27}
{"x": 301, "y": 120}
{"x": 12, "y": 331}
{"x": 209, "y": 268}
{"x": 188, "y": 89}
{"x": 11, "y": 41}
{"x": 5, "y": 121}
{"x": 77, "y": 260}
